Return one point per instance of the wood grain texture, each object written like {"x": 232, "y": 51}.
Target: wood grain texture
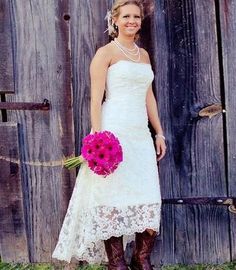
{"x": 227, "y": 12}
{"x": 187, "y": 80}
{"x": 13, "y": 236}
{"x": 52, "y": 44}
{"x": 43, "y": 70}
{"x": 6, "y": 40}
{"x": 87, "y": 27}
{"x": 194, "y": 234}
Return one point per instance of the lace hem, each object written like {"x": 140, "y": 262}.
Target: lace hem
{"x": 82, "y": 237}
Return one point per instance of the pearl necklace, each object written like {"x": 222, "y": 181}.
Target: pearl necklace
{"x": 125, "y": 52}
{"x": 124, "y": 48}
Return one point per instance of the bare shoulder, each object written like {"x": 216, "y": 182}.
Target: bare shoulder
{"x": 102, "y": 57}
{"x": 145, "y": 55}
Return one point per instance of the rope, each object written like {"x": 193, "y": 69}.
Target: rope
{"x": 51, "y": 163}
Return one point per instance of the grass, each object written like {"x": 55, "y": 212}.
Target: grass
{"x": 43, "y": 266}
{"x": 225, "y": 266}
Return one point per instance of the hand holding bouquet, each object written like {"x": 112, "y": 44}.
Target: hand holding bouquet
{"x": 101, "y": 150}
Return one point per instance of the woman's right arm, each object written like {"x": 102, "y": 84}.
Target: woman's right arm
{"x": 98, "y": 72}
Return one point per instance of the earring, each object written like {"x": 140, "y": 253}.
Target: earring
{"x": 115, "y": 27}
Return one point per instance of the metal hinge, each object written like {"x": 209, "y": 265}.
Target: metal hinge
{"x": 45, "y": 105}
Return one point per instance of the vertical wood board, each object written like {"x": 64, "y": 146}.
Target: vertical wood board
{"x": 13, "y": 233}
{"x": 6, "y": 40}
{"x": 43, "y": 70}
{"x": 227, "y": 10}
{"x": 187, "y": 83}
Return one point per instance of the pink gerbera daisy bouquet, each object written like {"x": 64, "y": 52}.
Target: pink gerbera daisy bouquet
{"x": 101, "y": 150}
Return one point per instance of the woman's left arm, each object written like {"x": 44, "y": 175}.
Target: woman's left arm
{"x": 153, "y": 117}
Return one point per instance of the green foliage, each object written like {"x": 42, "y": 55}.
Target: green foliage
{"x": 41, "y": 266}
{"x": 225, "y": 266}
{"x": 92, "y": 267}
{"x": 21, "y": 266}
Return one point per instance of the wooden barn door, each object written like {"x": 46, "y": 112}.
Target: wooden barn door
{"x": 36, "y": 127}
{"x": 183, "y": 40}
{"x": 45, "y": 51}
{"x": 194, "y": 88}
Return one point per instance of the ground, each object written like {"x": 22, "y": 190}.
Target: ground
{"x": 6, "y": 266}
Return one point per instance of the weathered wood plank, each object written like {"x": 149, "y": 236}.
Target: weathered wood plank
{"x": 86, "y": 38}
{"x": 43, "y": 68}
{"x": 6, "y": 57}
{"x": 227, "y": 13}
{"x": 198, "y": 234}
{"x": 13, "y": 235}
{"x": 187, "y": 80}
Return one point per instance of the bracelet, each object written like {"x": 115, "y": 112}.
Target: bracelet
{"x": 160, "y": 135}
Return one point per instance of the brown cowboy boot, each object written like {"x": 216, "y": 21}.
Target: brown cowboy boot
{"x": 115, "y": 253}
{"x": 144, "y": 243}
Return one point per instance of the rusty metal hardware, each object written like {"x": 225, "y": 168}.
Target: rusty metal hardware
{"x": 228, "y": 201}
{"x": 45, "y": 105}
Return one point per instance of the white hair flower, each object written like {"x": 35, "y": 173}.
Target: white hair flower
{"x": 110, "y": 27}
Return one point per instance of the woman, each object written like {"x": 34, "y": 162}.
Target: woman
{"x": 104, "y": 214}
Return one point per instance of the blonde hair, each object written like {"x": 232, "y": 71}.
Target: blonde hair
{"x": 115, "y": 11}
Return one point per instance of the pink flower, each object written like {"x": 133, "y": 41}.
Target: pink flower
{"x": 88, "y": 152}
{"x": 102, "y": 151}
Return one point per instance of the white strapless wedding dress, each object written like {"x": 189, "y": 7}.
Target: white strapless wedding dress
{"x": 129, "y": 200}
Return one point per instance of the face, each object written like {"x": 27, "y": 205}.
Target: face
{"x": 129, "y": 20}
